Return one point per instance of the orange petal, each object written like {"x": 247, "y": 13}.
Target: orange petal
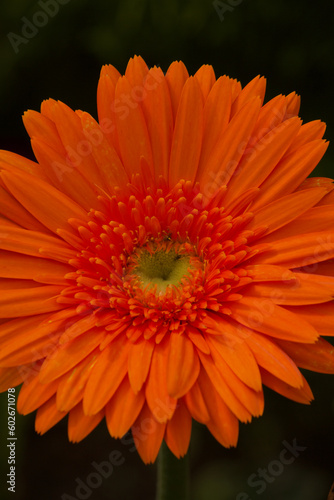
{"x": 196, "y": 405}
{"x": 106, "y": 375}
{"x": 29, "y": 301}
{"x": 301, "y": 395}
{"x": 294, "y": 293}
{"x": 35, "y": 338}
{"x": 22, "y": 163}
{"x": 205, "y": 76}
{"x": 308, "y": 132}
{"x": 42, "y": 127}
{"x": 136, "y": 70}
{"x": 320, "y": 316}
{"x": 318, "y": 357}
{"x": 227, "y": 153}
{"x": 178, "y": 431}
{"x": 238, "y": 357}
{"x": 294, "y": 167}
{"x": 158, "y": 399}
{"x": 236, "y": 89}
{"x": 321, "y": 271}
{"x": 80, "y": 425}
{"x": 123, "y": 409}
{"x": 48, "y": 415}
{"x": 188, "y": 130}
{"x": 228, "y": 396}
{"x": 64, "y": 176}
{"x": 14, "y": 211}
{"x": 265, "y": 272}
{"x": 79, "y": 326}
{"x": 197, "y": 339}
{"x": 176, "y": 77}
{"x": 274, "y": 360}
{"x": 158, "y": 114}
{"x": 255, "y": 88}
{"x": 183, "y": 365}
{"x": 312, "y": 182}
{"x": 32, "y": 243}
{"x": 11, "y": 377}
{"x": 217, "y": 110}
{"x": 68, "y": 355}
{"x": 129, "y": 116}
{"x": 270, "y": 116}
{"x": 148, "y": 435}
{"x": 33, "y": 394}
{"x": 233, "y": 336}
{"x": 257, "y": 163}
{"x": 252, "y": 400}
{"x": 223, "y": 424}
{"x": 107, "y": 160}
{"x": 14, "y": 265}
{"x": 140, "y": 355}
{"x": 71, "y": 388}
{"x": 4, "y": 222}
{"x": 298, "y": 251}
{"x": 281, "y": 212}
{"x": 293, "y": 104}
{"x": 328, "y": 199}
{"x": 51, "y": 207}
{"x": 76, "y": 143}
{"x": 106, "y": 103}
{"x": 316, "y": 219}
{"x": 271, "y": 319}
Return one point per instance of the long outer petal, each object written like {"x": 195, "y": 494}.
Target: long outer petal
{"x": 140, "y": 355}
{"x": 51, "y": 207}
{"x": 176, "y": 77}
{"x": 48, "y": 415}
{"x": 301, "y": 395}
{"x": 148, "y": 435}
{"x": 106, "y": 376}
{"x": 178, "y": 431}
{"x": 129, "y": 116}
{"x": 123, "y": 409}
{"x": 223, "y": 424}
{"x": 80, "y": 425}
{"x": 320, "y": 358}
{"x": 274, "y": 359}
{"x": 68, "y": 355}
{"x": 188, "y": 130}
{"x": 183, "y": 365}
{"x": 161, "y": 404}
{"x": 266, "y": 317}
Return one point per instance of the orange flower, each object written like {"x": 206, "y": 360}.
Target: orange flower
{"x": 166, "y": 262}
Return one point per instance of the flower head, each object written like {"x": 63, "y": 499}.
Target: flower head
{"x": 164, "y": 263}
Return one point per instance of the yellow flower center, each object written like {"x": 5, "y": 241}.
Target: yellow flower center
{"x": 162, "y": 268}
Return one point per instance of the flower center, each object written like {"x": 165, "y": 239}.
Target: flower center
{"x": 158, "y": 261}
{"x": 161, "y": 269}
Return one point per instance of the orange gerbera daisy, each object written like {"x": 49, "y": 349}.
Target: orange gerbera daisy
{"x": 163, "y": 264}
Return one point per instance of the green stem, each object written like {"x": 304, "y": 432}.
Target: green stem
{"x": 173, "y": 476}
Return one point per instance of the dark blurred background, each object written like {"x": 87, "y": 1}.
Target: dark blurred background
{"x": 59, "y": 55}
